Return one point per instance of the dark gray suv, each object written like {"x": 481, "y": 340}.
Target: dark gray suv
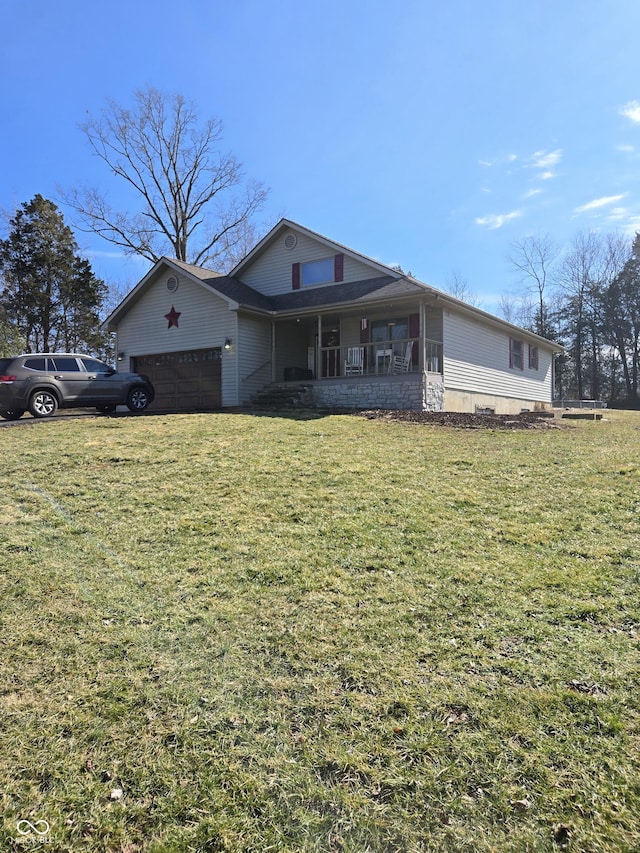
{"x": 44, "y": 382}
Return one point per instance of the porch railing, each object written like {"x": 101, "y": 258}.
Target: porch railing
{"x": 379, "y": 359}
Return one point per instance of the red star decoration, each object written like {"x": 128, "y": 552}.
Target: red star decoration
{"x": 172, "y": 317}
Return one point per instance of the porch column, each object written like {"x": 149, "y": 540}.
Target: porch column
{"x": 318, "y": 353}
{"x": 423, "y": 337}
{"x": 273, "y": 350}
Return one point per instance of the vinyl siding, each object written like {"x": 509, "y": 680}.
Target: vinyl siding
{"x": 254, "y": 357}
{"x": 476, "y": 358}
{"x": 271, "y": 272}
{"x": 205, "y": 321}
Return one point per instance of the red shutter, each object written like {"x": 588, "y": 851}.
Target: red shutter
{"x": 295, "y": 276}
{"x": 338, "y": 268}
{"x": 414, "y": 332}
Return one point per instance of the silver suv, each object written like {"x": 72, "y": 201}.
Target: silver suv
{"x": 44, "y": 382}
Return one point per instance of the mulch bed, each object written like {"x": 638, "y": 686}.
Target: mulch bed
{"x": 464, "y": 420}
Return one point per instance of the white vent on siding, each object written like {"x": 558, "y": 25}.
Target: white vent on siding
{"x": 290, "y": 241}
{"x": 172, "y": 284}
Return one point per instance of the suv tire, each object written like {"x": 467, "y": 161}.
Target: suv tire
{"x": 137, "y": 399}
{"x": 11, "y": 414}
{"x": 43, "y": 404}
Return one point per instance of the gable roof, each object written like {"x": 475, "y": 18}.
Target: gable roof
{"x": 237, "y": 294}
{"x": 389, "y": 284}
{"x": 207, "y": 278}
{"x": 288, "y": 225}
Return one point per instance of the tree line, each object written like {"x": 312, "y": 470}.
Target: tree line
{"x": 588, "y": 299}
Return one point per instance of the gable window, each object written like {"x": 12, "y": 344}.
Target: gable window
{"x": 324, "y": 271}
{"x": 316, "y": 272}
{"x": 516, "y": 354}
{"x": 533, "y": 357}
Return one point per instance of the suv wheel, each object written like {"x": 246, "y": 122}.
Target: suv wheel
{"x": 137, "y": 399}
{"x": 11, "y": 414}
{"x": 43, "y": 404}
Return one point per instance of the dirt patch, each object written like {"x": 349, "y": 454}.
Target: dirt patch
{"x": 466, "y": 420}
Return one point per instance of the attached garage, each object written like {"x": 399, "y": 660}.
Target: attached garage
{"x": 188, "y": 380}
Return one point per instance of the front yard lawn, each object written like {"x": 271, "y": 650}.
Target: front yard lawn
{"x": 225, "y": 632}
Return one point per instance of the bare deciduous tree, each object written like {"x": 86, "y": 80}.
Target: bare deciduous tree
{"x": 533, "y": 257}
{"x": 193, "y": 202}
{"x": 591, "y": 264}
{"x": 458, "y": 286}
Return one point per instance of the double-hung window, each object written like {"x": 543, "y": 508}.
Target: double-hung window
{"x": 516, "y": 354}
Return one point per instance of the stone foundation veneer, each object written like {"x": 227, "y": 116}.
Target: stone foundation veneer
{"x": 418, "y": 392}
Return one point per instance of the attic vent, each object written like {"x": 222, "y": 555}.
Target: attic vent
{"x": 290, "y": 241}
{"x": 172, "y": 284}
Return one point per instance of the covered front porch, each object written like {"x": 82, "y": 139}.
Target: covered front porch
{"x": 391, "y": 341}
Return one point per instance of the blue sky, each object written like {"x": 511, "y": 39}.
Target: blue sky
{"x": 423, "y": 133}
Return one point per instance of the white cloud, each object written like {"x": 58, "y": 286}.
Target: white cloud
{"x": 546, "y": 176}
{"x": 627, "y": 149}
{"x": 597, "y": 203}
{"x": 498, "y": 160}
{"x": 623, "y": 219}
{"x": 618, "y": 213}
{"x": 497, "y": 220}
{"x": 545, "y": 159}
{"x": 531, "y": 193}
{"x": 631, "y": 110}
{"x": 632, "y": 226}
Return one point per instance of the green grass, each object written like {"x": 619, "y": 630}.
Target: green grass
{"x": 323, "y": 634}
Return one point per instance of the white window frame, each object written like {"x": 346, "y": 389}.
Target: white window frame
{"x": 321, "y": 271}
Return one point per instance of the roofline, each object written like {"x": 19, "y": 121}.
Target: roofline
{"x": 336, "y": 307}
{"x": 499, "y": 321}
{"x": 435, "y": 296}
{"x": 313, "y": 235}
{"x": 435, "y": 292}
{"x": 438, "y": 295}
{"x": 178, "y": 267}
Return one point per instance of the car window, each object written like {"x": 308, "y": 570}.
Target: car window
{"x": 35, "y": 363}
{"x": 92, "y": 365}
{"x": 66, "y": 364}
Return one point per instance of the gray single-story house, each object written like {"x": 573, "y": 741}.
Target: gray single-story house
{"x": 303, "y": 308}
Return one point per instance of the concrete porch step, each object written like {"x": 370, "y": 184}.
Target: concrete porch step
{"x": 282, "y": 395}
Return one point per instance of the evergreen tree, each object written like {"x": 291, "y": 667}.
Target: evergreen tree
{"x": 49, "y": 294}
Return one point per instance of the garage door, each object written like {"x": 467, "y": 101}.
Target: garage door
{"x": 186, "y": 381}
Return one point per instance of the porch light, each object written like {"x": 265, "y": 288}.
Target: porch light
{"x": 227, "y": 344}
{"x": 121, "y": 355}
